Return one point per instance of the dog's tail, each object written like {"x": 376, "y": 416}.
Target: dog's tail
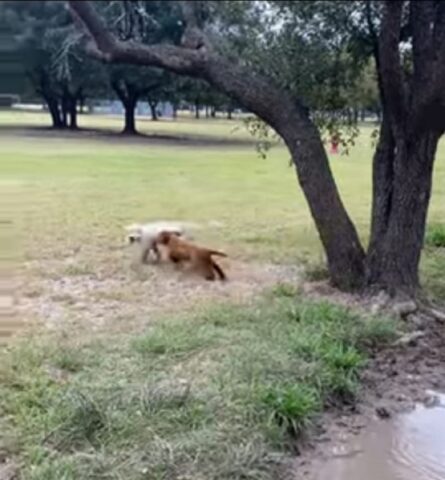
{"x": 217, "y": 253}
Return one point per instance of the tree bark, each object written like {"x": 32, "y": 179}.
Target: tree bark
{"x": 345, "y": 256}
{"x": 82, "y": 104}
{"x": 402, "y": 190}
{"x": 73, "y": 113}
{"x": 355, "y": 115}
{"x": 65, "y": 110}
{"x": 54, "y": 110}
{"x": 153, "y": 109}
{"x": 130, "y": 122}
{"x": 129, "y": 99}
{"x": 382, "y": 184}
{"x": 43, "y": 86}
{"x": 197, "y": 106}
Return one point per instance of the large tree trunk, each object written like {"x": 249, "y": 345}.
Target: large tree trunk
{"x": 73, "y": 113}
{"x": 403, "y": 170}
{"x": 54, "y": 110}
{"x": 382, "y": 184}
{"x": 355, "y": 115}
{"x": 345, "y": 256}
{"x": 130, "y": 123}
{"x": 153, "y": 109}
{"x": 197, "y": 107}
{"x": 65, "y": 110}
{"x": 82, "y": 104}
{"x": 129, "y": 98}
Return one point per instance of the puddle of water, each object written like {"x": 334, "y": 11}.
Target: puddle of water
{"x": 407, "y": 447}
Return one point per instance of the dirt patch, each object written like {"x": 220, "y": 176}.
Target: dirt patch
{"x": 9, "y": 470}
{"x": 68, "y": 296}
{"x": 103, "y": 135}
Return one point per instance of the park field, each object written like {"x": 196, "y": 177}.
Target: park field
{"x": 86, "y": 187}
{"x": 142, "y": 372}
{"x": 184, "y": 125}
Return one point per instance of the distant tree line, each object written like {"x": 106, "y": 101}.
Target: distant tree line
{"x": 45, "y": 66}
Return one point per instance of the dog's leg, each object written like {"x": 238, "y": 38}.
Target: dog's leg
{"x": 203, "y": 266}
{"x": 177, "y": 262}
{"x": 144, "y": 253}
{"x": 219, "y": 270}
{"x": 210, "y": 275}
{"x": 156, "y": 251}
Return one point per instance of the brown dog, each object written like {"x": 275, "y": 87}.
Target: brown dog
{"x": 201, "y": 258}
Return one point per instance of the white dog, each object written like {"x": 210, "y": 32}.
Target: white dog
{"x": 145, "y": 235}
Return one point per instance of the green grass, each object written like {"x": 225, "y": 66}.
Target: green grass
{"x": 221, "y": 394}
{"x": 185, "y": 125}
{"x": 72, "y": 190}
{"x": 218, "y": 393}
{"x": 435, "y": 236}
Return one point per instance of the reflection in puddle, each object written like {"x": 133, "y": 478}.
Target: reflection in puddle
{"x": 408, "y": 447}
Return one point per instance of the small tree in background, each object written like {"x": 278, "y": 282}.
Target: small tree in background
{"x": 130, "y": 84}
{"x": 42, "y": 32}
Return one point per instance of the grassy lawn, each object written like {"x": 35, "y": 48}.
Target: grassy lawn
{"x": 87, "y": 189}
{"x": 184, "y": 125}
{"x": 217, "y": 389}
{"x": 222, "y": 394}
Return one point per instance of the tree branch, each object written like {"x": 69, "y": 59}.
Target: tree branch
{"x": 253, "y": 91}
{"x": 115, "y": 85}
{"x": 150, "y": 88}
{"x": 370, "y": 23}
{"x": 392, "y": 77}
{"x": 193, "y": 36}
{"x": 106, "y": 47}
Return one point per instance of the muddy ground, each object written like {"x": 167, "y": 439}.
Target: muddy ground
{"x": 395, "y": 379}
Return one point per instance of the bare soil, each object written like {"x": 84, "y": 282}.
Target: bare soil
{"x": 129, "y": 299}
